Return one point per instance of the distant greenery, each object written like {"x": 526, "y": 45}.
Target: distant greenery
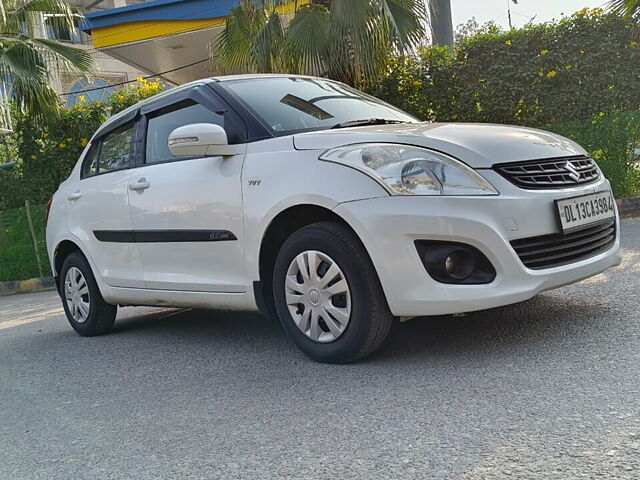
{"x": 48, "y": 152}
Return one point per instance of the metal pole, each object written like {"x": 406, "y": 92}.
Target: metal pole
{"x": 33, "y": 237}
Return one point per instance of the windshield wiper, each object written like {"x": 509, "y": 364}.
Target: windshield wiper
{"x": 367, "y": 121}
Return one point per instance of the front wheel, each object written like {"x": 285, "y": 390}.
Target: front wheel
{"x": 328, "y": 295}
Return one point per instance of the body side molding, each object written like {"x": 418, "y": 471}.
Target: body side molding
{"x": 163, "y": 236}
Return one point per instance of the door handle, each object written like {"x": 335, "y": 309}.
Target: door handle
{"x": 75, "y": 195}
{"x": 141, "y": 184}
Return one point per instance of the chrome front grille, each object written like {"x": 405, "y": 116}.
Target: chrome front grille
{"x": 553, "y": 250}
{"x": 550, "y": 173}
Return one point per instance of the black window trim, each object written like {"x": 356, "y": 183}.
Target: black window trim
{"x": 94, "y": 144}
{"x": 199, "y": 94}
{"x": 242, "y": 123}
{"x": 135, "y": 125}
{"x": 117, "y": 123}
{"x": 256, "y": 128}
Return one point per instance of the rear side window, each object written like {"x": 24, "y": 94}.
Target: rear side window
{"x": 112, "y": 152}
{"x": 160, "y": 126}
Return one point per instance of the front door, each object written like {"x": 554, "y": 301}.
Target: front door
{"x": 187, "y": 212}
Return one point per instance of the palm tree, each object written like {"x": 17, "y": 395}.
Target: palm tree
{"x": 348, "y": 40}
{"x": 27, "y": 62}
{"x": 626, "y": 7}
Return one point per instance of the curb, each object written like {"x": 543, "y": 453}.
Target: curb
{"x": 628, "y": 205}
{"x": 27, "y": 286}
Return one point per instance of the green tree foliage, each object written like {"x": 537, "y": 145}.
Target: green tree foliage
{"x": 626, "y": 7}
{"x": 26, "y": 62}
{"x": 348, "y": 40}
{"x": 17, "y": 257}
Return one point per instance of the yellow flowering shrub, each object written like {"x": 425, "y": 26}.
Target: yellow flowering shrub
{"x": 534, "y": 76}
{"x": 141, "y": 89}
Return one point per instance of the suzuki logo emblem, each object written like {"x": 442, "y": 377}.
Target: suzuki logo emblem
{"x": 573, "y": 172}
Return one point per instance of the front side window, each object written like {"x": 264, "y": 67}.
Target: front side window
{"x": 160, "y": 126}
{"x": 293, "y": 104}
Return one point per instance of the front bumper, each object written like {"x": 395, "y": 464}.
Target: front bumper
{"x": 389, "y": 226}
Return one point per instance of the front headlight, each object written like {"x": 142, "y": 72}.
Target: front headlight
{"x": 408, "y": 170}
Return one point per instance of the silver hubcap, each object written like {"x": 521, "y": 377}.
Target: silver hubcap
{"x": 318, "y": 296}
{"x": 76, "y": 293}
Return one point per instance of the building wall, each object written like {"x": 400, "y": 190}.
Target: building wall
{"x": 108, "y": 70}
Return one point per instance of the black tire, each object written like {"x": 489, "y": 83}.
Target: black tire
{"x": 101, "y": 314}
{"x": 370, "y": 318}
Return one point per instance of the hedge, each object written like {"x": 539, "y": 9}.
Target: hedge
{"x": 581, "y": 66}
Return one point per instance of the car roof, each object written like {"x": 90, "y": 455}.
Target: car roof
{"x": 202, "y": 81}
{"x": 260, "y": 76}
{"x": 127, "y": 112}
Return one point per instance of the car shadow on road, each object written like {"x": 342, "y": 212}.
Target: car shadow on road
{"x": 539, "y": 323}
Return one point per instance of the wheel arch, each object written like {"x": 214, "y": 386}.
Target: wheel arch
{"x": 281, "y": 226}
{"x": 63, "y": 249}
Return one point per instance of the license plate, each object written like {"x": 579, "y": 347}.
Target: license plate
{"x": 584, "y": 210}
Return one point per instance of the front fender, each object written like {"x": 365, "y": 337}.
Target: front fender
{"x": 272, "y": 182}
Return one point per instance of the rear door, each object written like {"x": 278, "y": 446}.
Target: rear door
{"x": 187, "y": 212}
{"x": 98, "y": 207}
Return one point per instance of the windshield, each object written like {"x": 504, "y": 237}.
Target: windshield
{"x": 294, "y": 104}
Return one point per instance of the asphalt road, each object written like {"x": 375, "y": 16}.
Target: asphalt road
{"x": 546, "y": 389}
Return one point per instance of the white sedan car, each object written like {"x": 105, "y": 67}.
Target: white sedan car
{"x": 304, "y": 198}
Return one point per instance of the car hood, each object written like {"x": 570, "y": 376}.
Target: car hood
{"x": 478, "y": 145}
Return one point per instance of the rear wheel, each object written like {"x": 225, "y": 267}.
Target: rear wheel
{"x": 86, "y": 310}
{"x": 328, "y": 295}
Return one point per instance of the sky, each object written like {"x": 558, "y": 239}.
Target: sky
{"x": 542, "y": 10}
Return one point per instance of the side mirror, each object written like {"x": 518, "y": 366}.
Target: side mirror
{"x": 201, "y": 140}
